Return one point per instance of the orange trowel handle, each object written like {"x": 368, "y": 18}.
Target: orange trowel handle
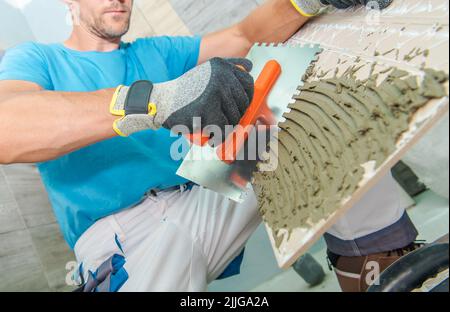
{"x": 258, "y": 111}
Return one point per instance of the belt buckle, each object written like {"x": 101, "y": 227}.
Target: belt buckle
{"x": 182, "y": 187}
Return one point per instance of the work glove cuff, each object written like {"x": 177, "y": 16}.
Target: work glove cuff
{"x": 134, "y": 107}
{"x": 309, "y": 8}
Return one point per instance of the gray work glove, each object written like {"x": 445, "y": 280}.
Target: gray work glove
{"x": 219, "y": 92}
{"x": 310, "y": 8}
{"x": 344, "y": 4}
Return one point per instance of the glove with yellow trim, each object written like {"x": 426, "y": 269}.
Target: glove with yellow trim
{"x": 308, "y": 8}
{"x": 311, "y": 8}
{"x": 219, "y": 92}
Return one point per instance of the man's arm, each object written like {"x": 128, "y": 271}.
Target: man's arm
{"x": 275, "y": 21}
{"x": 37, "y": 125}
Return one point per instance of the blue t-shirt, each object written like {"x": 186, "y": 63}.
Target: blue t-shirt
{"x": 115, "y": 174}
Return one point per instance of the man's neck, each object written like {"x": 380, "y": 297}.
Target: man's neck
{"x": 83, "y": 40}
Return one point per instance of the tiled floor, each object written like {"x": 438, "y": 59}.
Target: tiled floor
{"x": 33, "y": 255}
{"x": 204, "y": 16}
{"x": 156, "y": 17}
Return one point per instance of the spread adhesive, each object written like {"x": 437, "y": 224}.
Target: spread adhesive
{"x": 334, "y": 127}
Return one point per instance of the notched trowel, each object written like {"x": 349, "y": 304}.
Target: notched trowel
{"x": 277, "y": 71}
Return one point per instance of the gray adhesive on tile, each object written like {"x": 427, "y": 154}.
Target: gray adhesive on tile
{"x": 335, "y": 126}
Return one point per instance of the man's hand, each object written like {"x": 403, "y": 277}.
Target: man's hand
{"x": 219, "y": 92}
{"x": 310, "y": 8}
{"x": 344, "y": 4}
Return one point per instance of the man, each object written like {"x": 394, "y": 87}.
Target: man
{"x": 95, "y": 114}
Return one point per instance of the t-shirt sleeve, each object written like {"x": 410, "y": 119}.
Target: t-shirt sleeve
{"x": 180, "y": 54}
{"x": 25, "y": 62}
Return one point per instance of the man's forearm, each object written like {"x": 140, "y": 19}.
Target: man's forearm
{"x": 40, "y": 126}
{"x": 274, "y": 21}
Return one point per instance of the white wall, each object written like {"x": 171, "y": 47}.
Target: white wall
{"x": 38, "y": 20}
{"x": 14, "y": 27}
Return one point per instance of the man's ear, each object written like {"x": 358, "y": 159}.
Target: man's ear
{"x": 69, "y": 3}
{"x": 74, "y": 9}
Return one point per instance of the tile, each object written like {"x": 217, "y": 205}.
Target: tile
{"x": 14, "y": 243}
{"x": 205, "y": 16}
{"x": 139, "y": 27}
{"x": 47, "y": 251}
{"x": 54, "y": 254}
{"x": 20, "y": 268}
{"x": 34, "y": 204}
{"x": 29, "y": 192}
{"x": 10, "y": 219}
{"x": 151, "y": 18}
{"x": 24, "y": 277}
{"x": 6, "y": 195}
{"x": 21, "y": 174}
{"x": 162, "y": 17}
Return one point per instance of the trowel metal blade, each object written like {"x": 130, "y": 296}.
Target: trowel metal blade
{"x": 202, "y": 165}
{"x": 294, "y": 60}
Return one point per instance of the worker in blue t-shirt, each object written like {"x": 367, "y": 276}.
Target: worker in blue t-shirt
{"x": 95, "y": 114}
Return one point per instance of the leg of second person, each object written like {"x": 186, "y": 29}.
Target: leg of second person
{"x": 377, "y": 225}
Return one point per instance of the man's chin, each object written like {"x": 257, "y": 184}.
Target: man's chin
{"x": 115, "y": 33}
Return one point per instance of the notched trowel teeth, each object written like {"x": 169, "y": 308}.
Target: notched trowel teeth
{"x": 220, "y": 177}
{"x": 294, "y": 60}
